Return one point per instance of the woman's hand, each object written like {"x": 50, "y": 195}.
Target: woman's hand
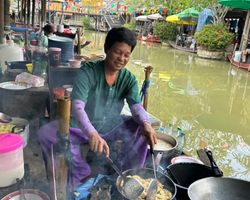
{"x": 149, "y": 133}
{"x": 97, "y": 144}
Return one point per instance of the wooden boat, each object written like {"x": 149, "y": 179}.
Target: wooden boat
{"x": 238, "y": 64}
{"x": 173, "y": 44}
{"x": 157, "y": 40}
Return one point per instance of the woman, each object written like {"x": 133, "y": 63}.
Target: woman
{"x": 98, "y": 95}
{"x": 48, "y": 32}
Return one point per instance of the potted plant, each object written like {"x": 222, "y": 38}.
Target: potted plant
{"x": 212, "y": 41}
{"x": 165, "y": 31}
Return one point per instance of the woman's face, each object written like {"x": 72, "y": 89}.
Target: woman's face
{"x": 118, "y": 55}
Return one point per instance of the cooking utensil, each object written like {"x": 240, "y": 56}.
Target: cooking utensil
{"x": 152, "y": 188}
{"x": 184, "y": 174}
{"x": 17, "y": 64}
{"x": 132, "y": 187}
{"x": 219, "y": 188}
{"x": 167, "y": 154}
{"x": 146, "y": 173}
{"x": 4, "y": 118}
{"x": 20, "y": 189}
{"x": 215, "y": 168}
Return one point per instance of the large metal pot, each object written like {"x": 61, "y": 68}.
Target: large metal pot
{"x": 145, "y": 173}
{"x": 163, "y": 157}
{"x": 219, "y": 188}
{"x": 22, "y": 127}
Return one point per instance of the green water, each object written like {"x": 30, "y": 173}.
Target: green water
{"x": 209, "y": 100}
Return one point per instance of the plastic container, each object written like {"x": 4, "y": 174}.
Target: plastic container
{"x": 176, "y": 133}
{"x": 169, "y": 129}
{"x": 181, "y": 143}
{"x": 237, "y": 56}
{"x": 34, "y": 42}
{"x": 55, "y": 56}
{"x": 11, "y": 159}
{"x": 10, "y": 52}
{"x": 29, "y": 67}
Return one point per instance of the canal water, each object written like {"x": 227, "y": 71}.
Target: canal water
{"x": 209, "y": 100}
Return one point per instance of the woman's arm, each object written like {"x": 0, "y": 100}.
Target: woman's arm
{"x": 81, "y": 118}
{"x": 139, "y": 114}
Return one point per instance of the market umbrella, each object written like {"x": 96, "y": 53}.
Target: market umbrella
{"x": 156, "y": 16}
{"x": 243, "y": 4}
{"x": 176, "y": 20}
{"x": 189, "y": 15}
{"x": 143, "y": 18}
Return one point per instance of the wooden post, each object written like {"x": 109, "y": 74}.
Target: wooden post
{"x": 1, "y": 20}
{"x": 63, "y": 111}
{"x": 21, "y": 12}
{"x": 24, "y": 11}
{"x": 6, "y": 12}
{"x": 147, "y": 70}
{"x": 79, "y": 40}
{"x": 28, "y": 12}
{"x": 244, "y": 36}
{"x": 33, "y": 13}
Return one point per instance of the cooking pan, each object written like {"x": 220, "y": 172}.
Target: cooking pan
{"x": 219, "y": 188}
{"x": 184, "y": 174}
{"x": 17, "y": 64}
{"x": 164, "y": 156}
{"x": 146, "y": 173}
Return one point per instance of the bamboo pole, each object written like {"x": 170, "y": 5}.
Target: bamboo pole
{"x": 63, "y": 110}
{"x": 79, "y": 40}
{"x": 147, "y": 70}
{"x": 6, "y": 12}
{"x": 33, "y": 13}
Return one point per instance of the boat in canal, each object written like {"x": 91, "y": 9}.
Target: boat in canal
{"x": 154, "y": 39}
{"x": 238, "y": 64}
{"x": 173, "y": 44}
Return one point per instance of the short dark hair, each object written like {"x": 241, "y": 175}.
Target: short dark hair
{"x": 48, "y": 29}
{"x": 120, "y": 34}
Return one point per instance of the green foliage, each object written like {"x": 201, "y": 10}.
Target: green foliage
{"x": 86, "y": 21}
{"x": 18, "y": 41}
{"x": 214, "y": 37}
{"x": 165, "y": 31}
{"x": 131, "y": 25}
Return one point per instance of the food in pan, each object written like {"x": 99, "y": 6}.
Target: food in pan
{"x": 162, "y": 194}
{"x": 162, "y": 145}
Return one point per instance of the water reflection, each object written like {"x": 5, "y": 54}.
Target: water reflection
{"x": 208, "y": 99}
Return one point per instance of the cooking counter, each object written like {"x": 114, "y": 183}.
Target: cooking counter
{"x": 28, "y": 104}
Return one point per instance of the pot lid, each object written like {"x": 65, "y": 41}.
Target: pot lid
{"x": 10, "y": 142}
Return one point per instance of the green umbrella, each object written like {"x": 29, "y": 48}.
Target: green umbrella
{"x": 242, "y": 4}
{"x": 189, "y": 15}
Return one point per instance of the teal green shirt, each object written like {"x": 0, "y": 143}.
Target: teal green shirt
{"x": 104, "y": 103}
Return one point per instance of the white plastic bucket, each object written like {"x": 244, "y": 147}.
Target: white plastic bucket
{"x": 237, "y": 56}
{"x": 11, "y": 159}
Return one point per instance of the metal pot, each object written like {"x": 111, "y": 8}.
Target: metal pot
{"x": 184, "y": 174}
{"x": 23, "y": 126}
{"x": 163, "y": 157}
{"x": 219, "y": 188}
{"x": 145, "y": 173}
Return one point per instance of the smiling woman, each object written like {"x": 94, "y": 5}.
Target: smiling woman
{"x": 99, "y": 91}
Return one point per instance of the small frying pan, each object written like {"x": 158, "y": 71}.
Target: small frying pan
{"x": 219, "y": 188}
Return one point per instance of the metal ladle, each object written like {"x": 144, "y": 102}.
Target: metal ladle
{"x": 132, "y": 187}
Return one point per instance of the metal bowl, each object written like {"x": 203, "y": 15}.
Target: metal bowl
{"x": 5, "y": 118}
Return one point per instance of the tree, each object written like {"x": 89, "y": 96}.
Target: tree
{"x": 219, "y": 12}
